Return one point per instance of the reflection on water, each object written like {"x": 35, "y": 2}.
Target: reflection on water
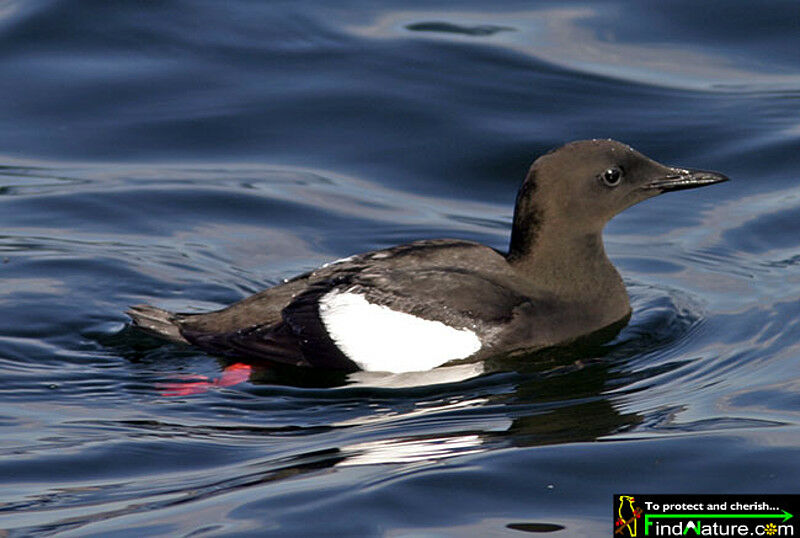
{"x": 589, "y": 39}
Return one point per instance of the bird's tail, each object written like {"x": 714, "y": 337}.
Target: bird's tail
{"x": 156, "y": 321}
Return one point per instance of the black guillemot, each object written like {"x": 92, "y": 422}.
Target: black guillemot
{"x": 418, "y": 306}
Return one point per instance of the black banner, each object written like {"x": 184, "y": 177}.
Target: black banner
{"x": 636, "y": 515}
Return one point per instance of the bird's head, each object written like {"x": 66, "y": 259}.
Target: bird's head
{"x": 577, "y": 188}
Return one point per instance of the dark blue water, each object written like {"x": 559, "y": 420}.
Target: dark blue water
{"x": 188, "y": 154}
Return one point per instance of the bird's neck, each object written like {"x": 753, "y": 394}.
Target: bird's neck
{"x": 573, "y": 267}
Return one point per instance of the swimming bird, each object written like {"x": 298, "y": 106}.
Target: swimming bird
{"x": 420, "y": 305}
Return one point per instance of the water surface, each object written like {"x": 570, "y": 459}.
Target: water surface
{"x": 188, "y": 154}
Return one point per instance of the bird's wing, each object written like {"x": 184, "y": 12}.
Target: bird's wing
{"x": 298, "y": 338}
{"x": 274, "y": 343}
{"x": 398, "y": 310}
{"x": 399, "y": 320}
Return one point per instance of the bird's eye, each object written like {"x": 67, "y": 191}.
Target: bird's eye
{"x": 612, "y": 177}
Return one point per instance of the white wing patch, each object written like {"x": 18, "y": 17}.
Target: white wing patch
{"x": 378, "y": 338}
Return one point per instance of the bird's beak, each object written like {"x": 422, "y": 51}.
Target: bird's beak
{"x": 678, "y": 179}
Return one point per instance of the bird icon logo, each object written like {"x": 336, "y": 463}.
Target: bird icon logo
{"x": 628, "y": 515}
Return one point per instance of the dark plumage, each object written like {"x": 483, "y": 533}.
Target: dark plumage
{"x": 554, "y": 285}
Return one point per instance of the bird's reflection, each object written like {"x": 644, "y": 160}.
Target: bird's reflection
{"x": 552, "y": 396}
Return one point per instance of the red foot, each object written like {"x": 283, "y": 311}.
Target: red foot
{"x": 231, "y": 375}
